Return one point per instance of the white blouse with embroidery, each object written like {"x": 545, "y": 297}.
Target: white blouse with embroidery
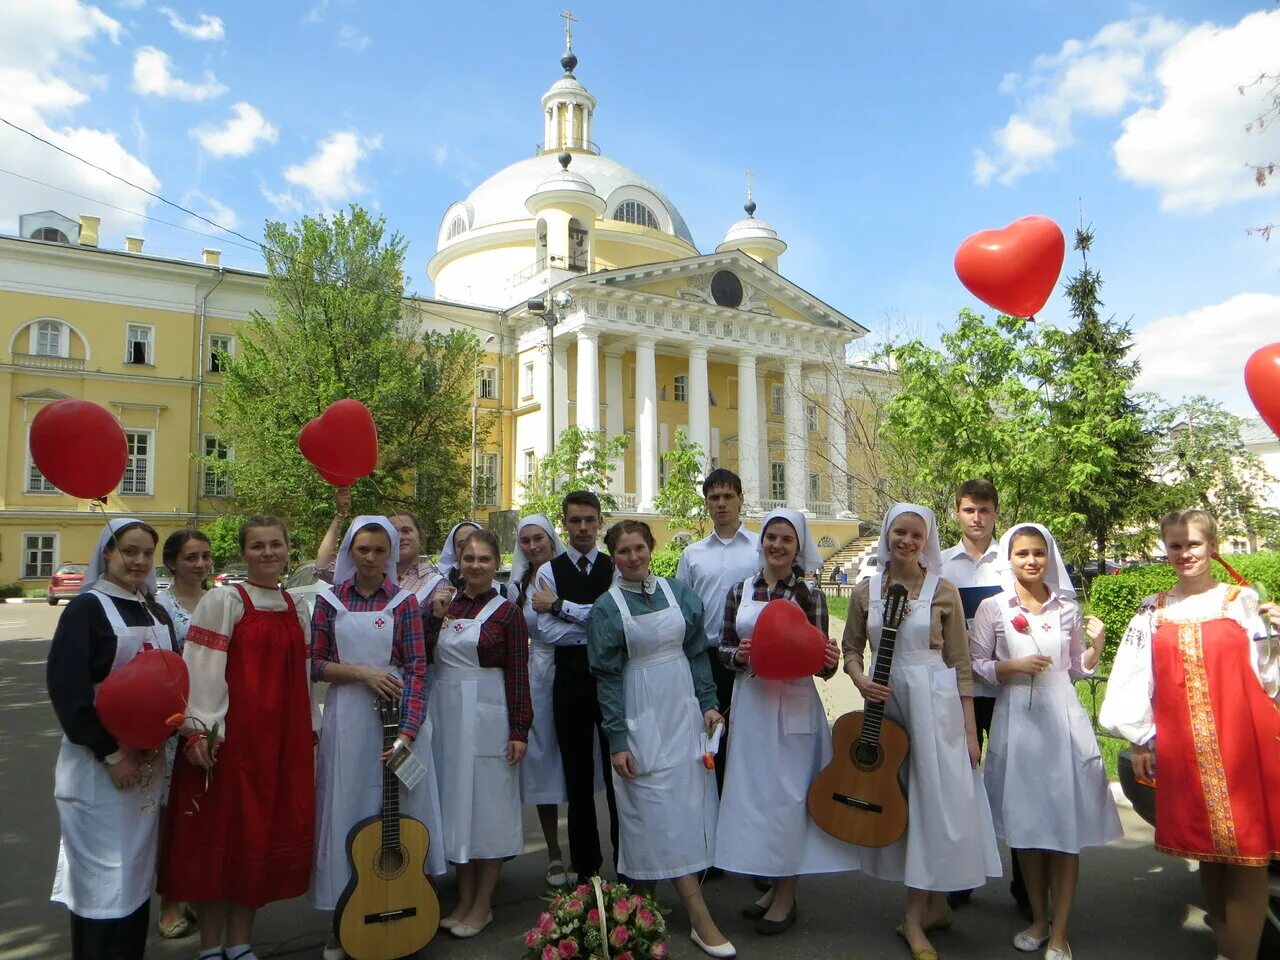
{"x": 1127, "y": 709}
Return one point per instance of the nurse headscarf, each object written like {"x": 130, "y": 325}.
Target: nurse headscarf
{"x": 448, "y": 556}
{"x": 519, "y": 564}
{"x": 930, "y": 554}
{"x": 344, "y": 567}
{"x": 1056, "y": 577}
{"x": 807, "y": 558}
{"x": 98, "y": 567}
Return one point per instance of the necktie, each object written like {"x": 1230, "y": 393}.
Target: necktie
{"x": 584, "y": 564}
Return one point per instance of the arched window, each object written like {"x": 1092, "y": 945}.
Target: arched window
{"x": 633, "y": 211}
{"x": 49, "y": 339}
{"x": 52, "y": 234}
{"x": 457, "y": 227}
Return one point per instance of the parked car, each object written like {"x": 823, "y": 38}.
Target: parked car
{"x": 236, "y": 573}
{"x": 867, "y": 569}
{"x": 66, "y": 581}
{"x": 303, "y": 585}
{"x": 1143, "y": 798}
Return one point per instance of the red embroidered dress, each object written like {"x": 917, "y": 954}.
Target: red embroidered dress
{"x": 248, "y": 837}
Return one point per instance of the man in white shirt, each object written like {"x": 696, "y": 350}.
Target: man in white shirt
{"x": 711, "y": 567}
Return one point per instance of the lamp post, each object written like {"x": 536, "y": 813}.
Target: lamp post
{"x": 551, "y": 313}
{"x": 475, "y": 410}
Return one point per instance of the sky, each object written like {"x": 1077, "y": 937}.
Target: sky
{"x": 880, "y": 136}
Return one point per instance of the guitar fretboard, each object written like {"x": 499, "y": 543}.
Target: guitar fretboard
{"x": 873, "y": 710}
{"x": 390, "y": 793}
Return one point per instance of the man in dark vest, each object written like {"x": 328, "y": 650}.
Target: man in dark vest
{"x": 568, "y": 586}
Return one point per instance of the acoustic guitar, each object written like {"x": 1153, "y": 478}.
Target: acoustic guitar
{"x": 858, "y": 797}
{"x": 389, "y": 908}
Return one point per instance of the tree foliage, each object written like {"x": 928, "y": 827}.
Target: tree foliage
{"x": 580, "y": 460}
{"x": 680, "y": 500}
{"x": 339, "y": 327}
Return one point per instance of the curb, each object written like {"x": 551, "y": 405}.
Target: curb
{"x": 27, "y": 600}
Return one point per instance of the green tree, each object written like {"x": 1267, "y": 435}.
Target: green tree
{"x": 581, "y": 460}
{"x": 340, "y": 327}
{"x": 680, "y": 500}
{"x": 224, "y": 539}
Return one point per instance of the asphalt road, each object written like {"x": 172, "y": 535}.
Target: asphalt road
{"x": 1133, "y": 903}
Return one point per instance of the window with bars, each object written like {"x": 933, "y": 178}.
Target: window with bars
{"x": 775, "y": 399}
{"x": 457, "y": 227}
{"x": 487, "y": 383}
{"x": 39, "y": 550}
{"x": 137, "y": 468}
{"x": 682, "y": 389}
{"x": 815, "y": 486}
{"x": 811, "y": 416}
{"x": 49, "y": 340}
{"x": 777, "y": 480}
{"x": 217, "y": 482}
{"x": 219, "y": 350}
{"x": 37, "y": 482}
{"x": 529, "y": 464}
{"x": 137, "y": 344}
{"x": 633, "y": 211}
{"x": 487, "y": 480}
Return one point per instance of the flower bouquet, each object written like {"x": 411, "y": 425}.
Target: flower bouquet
{"x": 598, "y": 921}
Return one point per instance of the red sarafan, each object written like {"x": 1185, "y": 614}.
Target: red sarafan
{"x": 785, "y": 645}
{"x": 79, "y": 447}
{"x": 1015, "y": 268}
{"x": 341, "y": 443}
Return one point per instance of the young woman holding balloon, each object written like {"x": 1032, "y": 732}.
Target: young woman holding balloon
{"x": 1195, "y": 688}
{"x": 648, "y": 652}
{"x": 1044, "y": 775}
{"x": 108, "y": 793}
{"x": 950, "y": 842}
{"x": 240, "y": 822}
{"x": 764, "y": 827}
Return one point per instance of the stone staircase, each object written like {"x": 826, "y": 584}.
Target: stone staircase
{"x": 851, "y": 554}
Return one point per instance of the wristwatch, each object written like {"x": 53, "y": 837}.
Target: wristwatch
{"x": 556, "y": 606}
{"x": 112, "y": 758}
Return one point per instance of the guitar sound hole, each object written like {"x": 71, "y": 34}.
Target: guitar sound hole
{"x": 867, "y": 756}
{"x": 389, "y": 862}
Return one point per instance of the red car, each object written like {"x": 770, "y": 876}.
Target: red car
{"x": 65, "y": 582}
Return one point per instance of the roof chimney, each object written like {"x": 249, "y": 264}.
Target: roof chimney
{"x": 133, "y": 244}
{"x": 211, "y": 257}
{"x": 89, "y": 231}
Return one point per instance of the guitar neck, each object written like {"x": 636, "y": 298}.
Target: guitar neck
{"x": 390, "y": 795}
{"x": 873, "y": 710}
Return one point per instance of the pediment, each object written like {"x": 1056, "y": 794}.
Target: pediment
{"x": 43, "y": 396}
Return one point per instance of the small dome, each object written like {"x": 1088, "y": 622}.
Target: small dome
{"x": 749, "y": 228}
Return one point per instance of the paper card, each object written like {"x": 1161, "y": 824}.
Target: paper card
{"x": 408, "y": 768}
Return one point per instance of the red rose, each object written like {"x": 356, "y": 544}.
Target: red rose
{"x": 1020, "y": 624}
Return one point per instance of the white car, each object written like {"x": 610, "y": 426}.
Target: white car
{"x": 868, "y": 568}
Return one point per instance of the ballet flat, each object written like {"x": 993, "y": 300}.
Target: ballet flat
{"x": 769, "y": 928}
{"x": 754, "y": 911}
{"x": 723, "y": 952}
{"x": 1027, "y": 943}
{"x": 463, "y": 932}
{"x": 924, "y": 953}
{"x": 1057, "y": 953}
{"x": 944, "y": 922}
{"x": 447, "y": 923}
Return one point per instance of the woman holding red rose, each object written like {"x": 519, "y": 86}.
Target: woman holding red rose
{"x": 1044, "y": 775}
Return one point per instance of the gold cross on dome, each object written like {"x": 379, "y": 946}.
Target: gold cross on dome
{"x": 568, "y": 19}
{"x": 750, "y": 174}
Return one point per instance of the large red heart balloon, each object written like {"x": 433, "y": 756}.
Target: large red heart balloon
{"x": 79, "y": 447}
{"x": 1262, "y": 379}
{"x": 341, "y": 443}
{"x": 1014, "y": 269}
{"x": 784, "y": 644}
{"x": 139, "y": 702}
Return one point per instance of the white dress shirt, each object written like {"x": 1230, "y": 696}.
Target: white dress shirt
{"x": 711, "y": 566}
{"x": 964, "y": 571}
{"x": 569, "y": 629}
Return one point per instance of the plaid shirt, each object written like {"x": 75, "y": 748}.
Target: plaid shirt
{"x": 815, "y": 610}
{"x": 407, "y": 648}
{"x": 504, "y": 643}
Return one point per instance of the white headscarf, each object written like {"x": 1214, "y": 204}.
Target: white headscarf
{"x": 930, "y": 555}
{"x": 807, "y": 556}
{"x": 448, "y": 556}
{"x": 97, "y": 569}
{"x": 344, "y": 568}
{"x": 1056, "y": 577}
{"x": 519, "y": 563}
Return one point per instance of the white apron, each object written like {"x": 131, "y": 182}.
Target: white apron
{"x": 1044, "y": 770}
{"x": 480, "y": 791}
{"x": 541, "y": 771}
{"x": 107, "y": 854}
{"x": 764, "y": 828}
{"x": 424, "y": 596}
{"x": 667, "y": 814}
{"x": 950, "y": 843}
{"x": 348, "y": 774}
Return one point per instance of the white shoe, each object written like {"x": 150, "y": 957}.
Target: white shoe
{"x": 333, "y": 952}
{"x": 1029, "y": 943}
{"x": 447, "y": 923}
{"x": 724, "y": 951}
{"x": 462, "y": 931}
{"x": 1057, "y": 953}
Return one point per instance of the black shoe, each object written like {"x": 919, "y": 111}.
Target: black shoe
{"x": 959, "y": 898}
{"x": 754, "y": 911}
{"x": 762, "y": 884}
{"x": 770, "y": 928}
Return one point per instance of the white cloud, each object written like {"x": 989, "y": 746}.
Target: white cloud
{"x": 43, "y": 45}
{"x": 207, "y": 206}
{"x": 1204, "y": 350}
{"x": 1192, "y": 146}
{"x": 240, "y": 135}
{"x": 1100, "y": 77}
{"x": 131, "y": 4}
{"x": 441, "y": 154}
{"x": 331, "y": 174}
{"x": 208, "y": 28}
{"x": 153, "y": 74}
{"x": 354, "y": 38}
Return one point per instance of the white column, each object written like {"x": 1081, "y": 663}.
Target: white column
{"x": 699, "y": 404}
{"x": 547, "y": 136}
{"x": 569, "y": 135}
{"x": 613, "y": 413}
{"x": 588, "y": 396}
{"x": 839, "y": 472}
{"x": 796, "y": 432}
{"x": 646, "y": 423}
{"x": 561, "y": 399}
{"x": 762, "y": 417}
{"x": 748, "y": 431}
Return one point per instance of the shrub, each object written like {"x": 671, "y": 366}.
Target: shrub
{"x": 663, "y": 563}
{"x": 8, "y": 590}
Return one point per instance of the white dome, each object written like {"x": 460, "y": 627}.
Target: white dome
{"x": 501, "y": 198}
{"x": 749, "y": 228}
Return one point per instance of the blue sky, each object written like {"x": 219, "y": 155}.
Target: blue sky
{"x": 880, "y": 134}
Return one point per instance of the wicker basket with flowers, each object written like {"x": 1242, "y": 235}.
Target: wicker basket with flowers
{"x": 598, "y": 921}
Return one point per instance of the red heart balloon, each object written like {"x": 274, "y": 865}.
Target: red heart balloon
{"x": 1262, "y": 380}
{"x": 341, "y": 443}
{"x": 1014, "y": 269}
{"x": 79, "y": 447}
{"x": 784, "y": 644}
{"x": 138, "y": 702}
